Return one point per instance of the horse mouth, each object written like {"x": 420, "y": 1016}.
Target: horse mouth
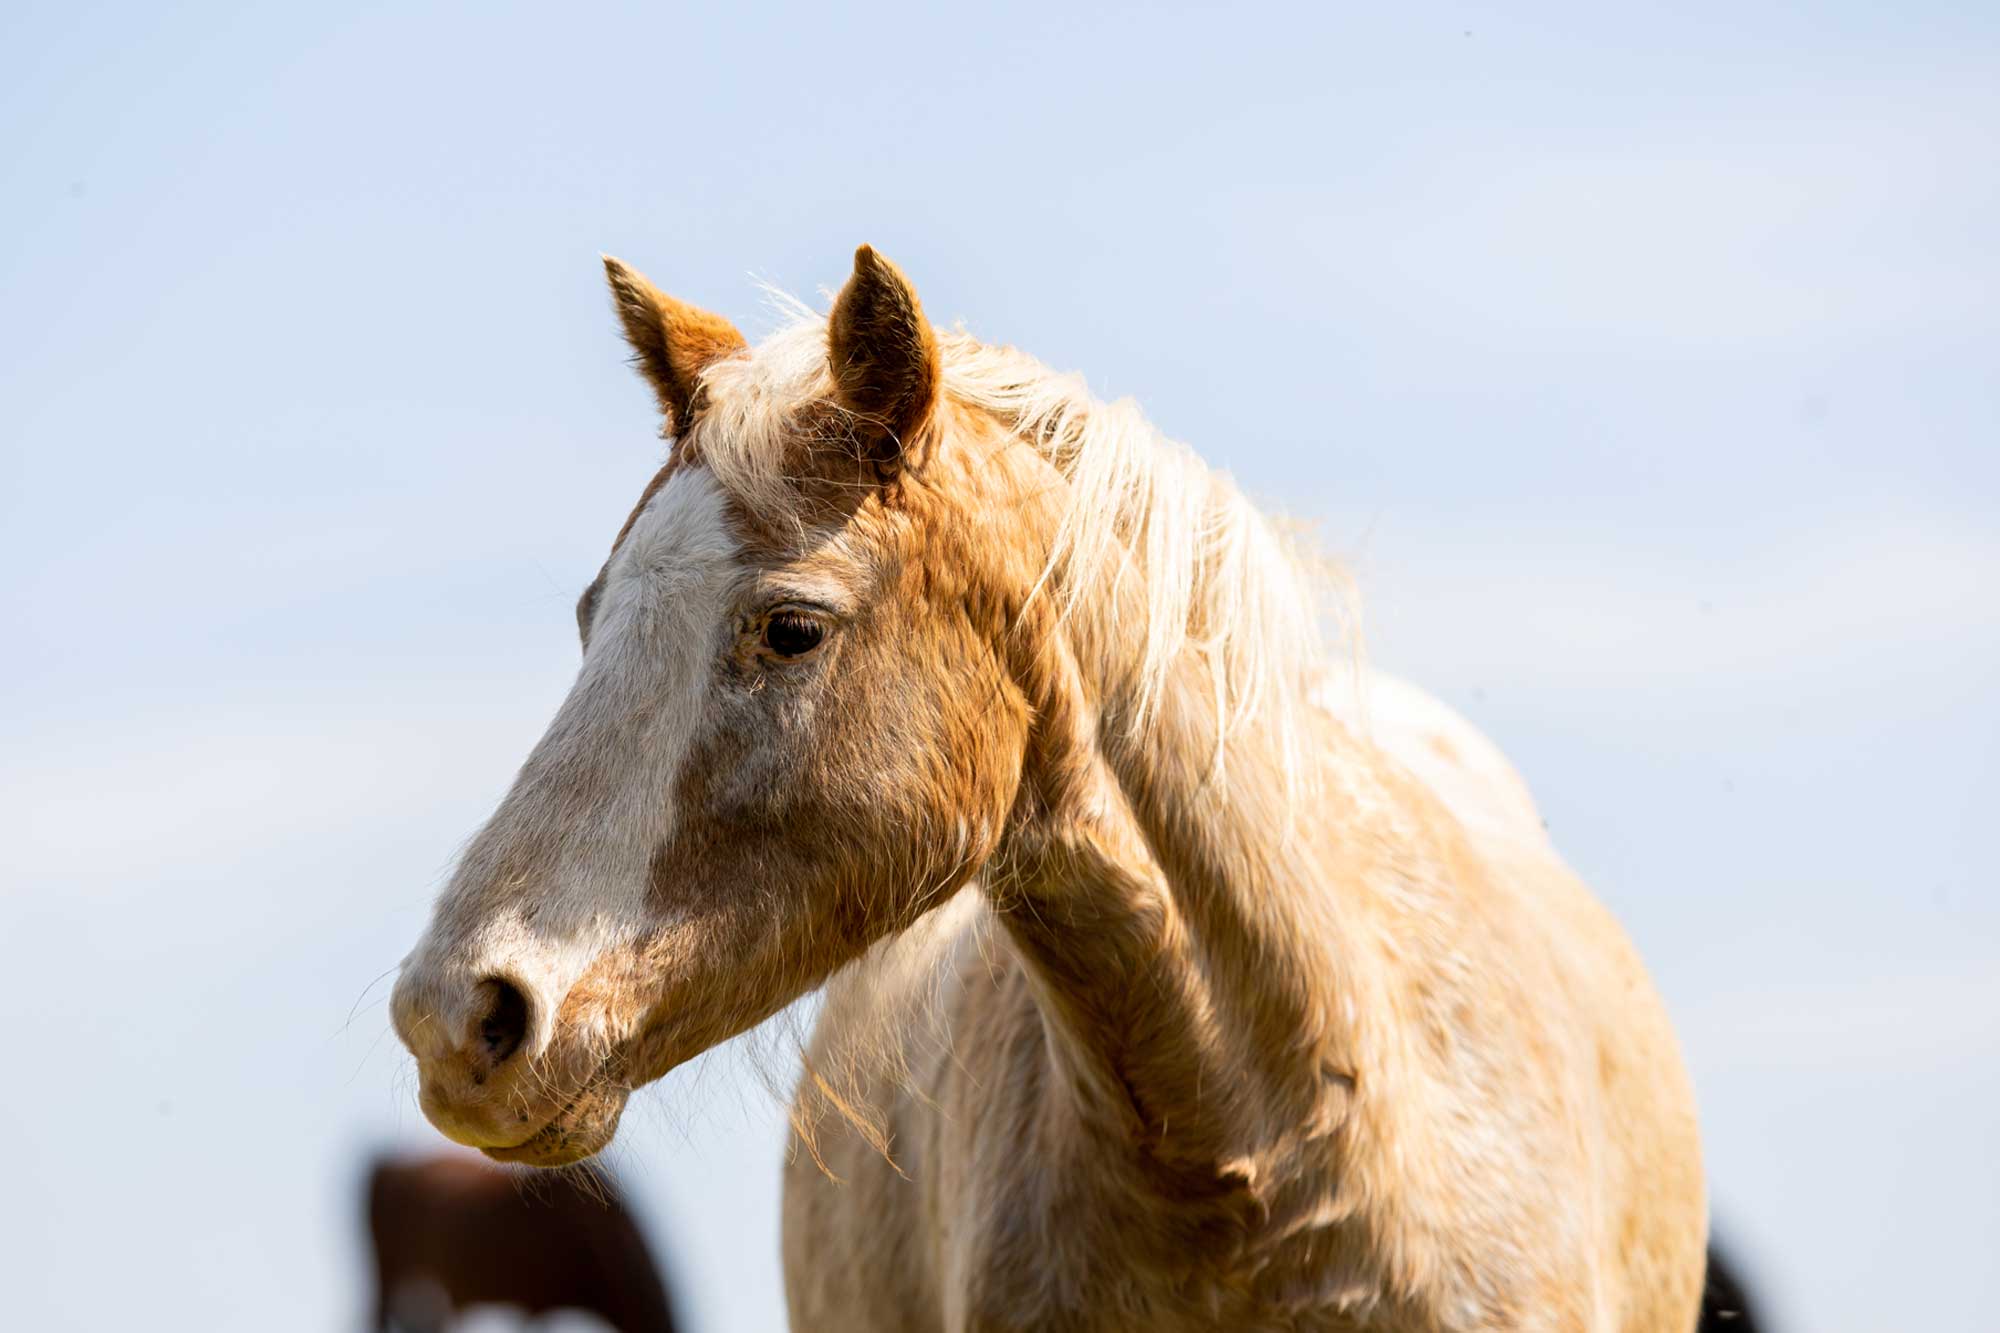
{"x": 585, "y": 1124}
{"x": 581, "y": 1128}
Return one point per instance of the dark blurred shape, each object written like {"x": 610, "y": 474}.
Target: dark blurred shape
{"x": 452, "y": 1232}
{"x": 1725, "y": 1307}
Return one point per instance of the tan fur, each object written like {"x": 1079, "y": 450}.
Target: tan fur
{"x": 672, "y": 341}
{"x": 1162, "y": 997}
{"x": 877, "y": 335}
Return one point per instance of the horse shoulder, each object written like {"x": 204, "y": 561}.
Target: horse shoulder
{"x": 1541, "y": 1000}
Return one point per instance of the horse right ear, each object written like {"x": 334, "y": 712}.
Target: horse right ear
{"x": 672, "y": 341}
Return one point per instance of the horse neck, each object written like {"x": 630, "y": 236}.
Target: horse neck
{"x": 1172, "y": 914}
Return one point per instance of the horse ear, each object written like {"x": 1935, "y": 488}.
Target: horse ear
{"x": 672, "y": 341}
{"x": 884, "y": 357}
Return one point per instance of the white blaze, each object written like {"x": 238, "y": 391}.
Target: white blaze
{"x": 559, "y": 874}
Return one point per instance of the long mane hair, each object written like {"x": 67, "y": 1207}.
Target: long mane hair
{"x": 1248, "y": 595}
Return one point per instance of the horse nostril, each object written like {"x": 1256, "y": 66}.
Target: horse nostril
{"x": 505, "y": 1026}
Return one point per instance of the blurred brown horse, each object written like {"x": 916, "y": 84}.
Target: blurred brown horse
{"x": 1725, "y": 1299}
{"x": 451, "y": 1232}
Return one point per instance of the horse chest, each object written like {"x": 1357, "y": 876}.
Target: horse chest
{"x": 1033, "y": 1241}
{"x": 1081, "y": 1267}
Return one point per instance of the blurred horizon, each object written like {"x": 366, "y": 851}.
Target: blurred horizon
{"x": 1640, "y": 364}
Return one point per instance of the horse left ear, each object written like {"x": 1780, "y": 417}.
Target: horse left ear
{"x": 884, "y": 358}
{"x": 672, "y": 341}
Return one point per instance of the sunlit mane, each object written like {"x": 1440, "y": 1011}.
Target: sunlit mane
{"x": 1249, "y": 597}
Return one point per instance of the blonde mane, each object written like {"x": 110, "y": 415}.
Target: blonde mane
{"x": 1249, "y": 596}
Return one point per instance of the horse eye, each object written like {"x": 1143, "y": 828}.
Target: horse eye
{"x": 792, "y": 634}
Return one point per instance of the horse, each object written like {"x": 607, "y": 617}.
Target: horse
{"x": 450, "y": 1232}
{"x": 1726, "y": 1306}
{"x": 1177, "y": 972}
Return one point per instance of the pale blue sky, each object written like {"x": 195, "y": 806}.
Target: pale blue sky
{"x": 1641, "y": 359}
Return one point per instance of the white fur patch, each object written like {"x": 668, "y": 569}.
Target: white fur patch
{"x": 1441, "y": 749}
{"x": 595, "y": 799}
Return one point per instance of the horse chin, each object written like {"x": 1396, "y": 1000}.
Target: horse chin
{"x": 583, "y": 1127}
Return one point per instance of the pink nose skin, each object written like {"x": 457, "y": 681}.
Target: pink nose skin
{"x": 470, "y": 1059}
